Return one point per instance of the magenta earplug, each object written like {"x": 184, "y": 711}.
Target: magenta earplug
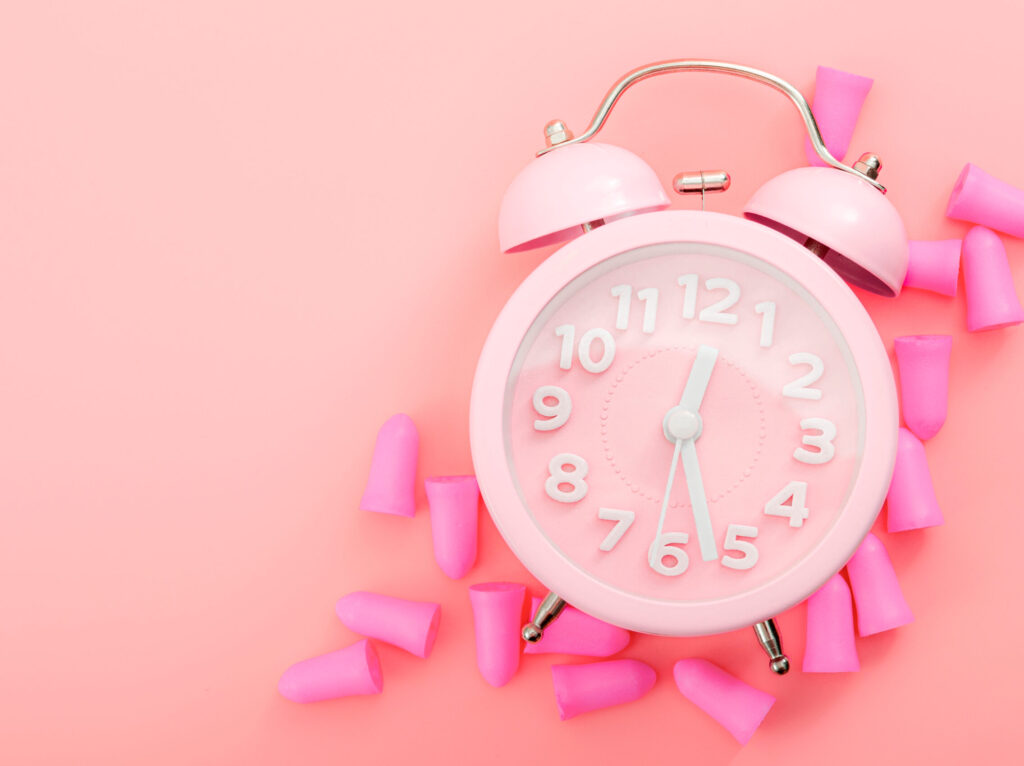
{"x": 409, "y": 625}
{"x": 924, "y": 381}
{"x": 876, "y": 591}
{"x": 596, "y": 685}
{"x": 992, "y": 301}
{"x": 912, "y": 502}
{"x": 497, "y": 617}
{"x": 454, "y": 509}
{"x": 838, "y": 98}
{"x": 978, "y": 197}
{"x": 739, "y": 707}
{"x": 575, "y": 632}
{"x": 392, "y": 484}
{"x": 934, "y": 265}
{"x": 831, "y": 646}
{"x": 344, "y": 673}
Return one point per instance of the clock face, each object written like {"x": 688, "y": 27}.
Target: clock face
{"x": 685, "y": 426}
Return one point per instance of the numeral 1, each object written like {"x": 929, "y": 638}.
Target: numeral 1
{"x": 567, "y": 332}
{"x": 767, "y": 311}
{"x": 649, "y": 297}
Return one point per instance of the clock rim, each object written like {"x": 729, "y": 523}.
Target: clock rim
{"x": 563, "y": 576}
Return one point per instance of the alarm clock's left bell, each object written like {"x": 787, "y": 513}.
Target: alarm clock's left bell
{"x": 560, "y": 194}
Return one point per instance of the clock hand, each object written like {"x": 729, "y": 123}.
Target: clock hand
{"x": 699, "y": 501}
{"x": 668, "y": 492}
{"x": 700, "y": 376}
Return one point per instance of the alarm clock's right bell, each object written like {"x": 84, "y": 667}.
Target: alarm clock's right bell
{"x": 840, "y": 218}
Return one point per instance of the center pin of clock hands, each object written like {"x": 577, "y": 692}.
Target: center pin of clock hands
{"x": 683, "y": 426}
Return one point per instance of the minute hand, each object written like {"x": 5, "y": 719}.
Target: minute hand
{"x": 699, "y": 500}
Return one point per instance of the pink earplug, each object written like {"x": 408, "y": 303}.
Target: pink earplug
{"x": 838, "y": 98}
{"x": 739, "y": 707}
{"x": 880, "y": 602}
{"x": 978, "y": 197}
{"x": 924, "y": 381}
{"x": 454, "y": 509}
{"x": 392, "y": 483}
{"x": 352, "y": 670}
{"x": 992, "y": 301}
{"x": 934, "y": 265}
{"x": 831, "y": 647}
{"x": 409, "y": 625}
{"x": 912, "y": 502}
{"x": 596, "y": 685}
{"x": 575, "y": 632}
{"x": 497, "y": 617}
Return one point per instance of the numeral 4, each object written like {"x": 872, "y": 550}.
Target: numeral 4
{"x": 567, "y": 332}
{"x": 794, "y": 493}
{"x": 733, "y": 543}
{"x": 623, "y": 521}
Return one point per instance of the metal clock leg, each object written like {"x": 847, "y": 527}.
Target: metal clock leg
{"x": 768, "y": 637}
{"x": 549, "y": 609}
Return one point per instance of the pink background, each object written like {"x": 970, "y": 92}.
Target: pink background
{"x": 236, "y": 236}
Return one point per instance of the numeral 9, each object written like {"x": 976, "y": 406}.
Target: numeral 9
{"x": 557, "y": 413}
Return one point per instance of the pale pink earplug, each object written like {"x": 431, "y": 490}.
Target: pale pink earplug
{"x": 876, "y": 591}
{"x": 409, "y": 625}
{"x": 924, "y": 381}
{"x": 912, "y": 502}
{"x": 596, "y": 685}
{"x": 978, "y": 197}
{"x": 831, "y": 646}
{"x": 454, "y": 510}
{"x": 934, "y": 265}
{"x": 737, "y": 706}
{"x": 391, "y": 487}
{"x": 575, "y": 632}
{"x": 838, "y": 98}
{"x": 992, "y": 301}
{"x": 344, "y": 673}
{"x": 497, "y": 617}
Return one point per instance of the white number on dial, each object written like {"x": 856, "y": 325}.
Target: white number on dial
{"x": 821, "y": 441}
{"x": 795, "y": 493}
{"x": 558, "y": 477}
{"x": 648, "y": 295}
{"x": 664, "y": 547}
{"x": 767, "y": 311}
{"x": 567, "y": 333}
{"x": 800, "y": 388}
{"x": 716, "y": 312}
{"x": 557, "y": 413}
{"x": 623, "y": 520}
{"x": 733, "y": 543}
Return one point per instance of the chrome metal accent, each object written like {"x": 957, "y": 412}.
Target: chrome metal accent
{"x": 556, "y": 132}
{"x": 549, "y": 609}
{"x": 700, "y": 181}
{"x": 698, "y": 65}
{"x": 591, "y": 225}
{"x": 768, "y": 637}
{"x": 869, "y": 164}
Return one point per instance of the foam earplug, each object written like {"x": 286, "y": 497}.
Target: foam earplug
{"x": 924, "y": 381}
{"x": 737, "y": 706}
{"x": 497, "y": 617}
{"x": 992, "y": 301}
{"x": 454, "y": 510}
{"x": 876, "y": 591}
{"x": 596, "y": 685}
{"x": 911, "y": 501}
{"x": 978, "y": 197}
{"x": 831, "y": 646}
{"x": 409, "y": 625}
{"x": 391, "y": 487}
{"x": 934, "y": 265}
{"x": 575, "y": 632}
{"x": 838, "y": 98}
{"x": 344, "y": 673}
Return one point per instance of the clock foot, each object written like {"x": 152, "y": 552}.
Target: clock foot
{"x": 549, "y": 609}
{"x": 768, "y": 637}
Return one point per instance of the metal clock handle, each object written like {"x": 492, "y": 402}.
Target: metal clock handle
{"x": 559, "y": 135}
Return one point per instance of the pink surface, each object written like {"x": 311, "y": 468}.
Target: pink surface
{"x": 454, "y": 519}
{"x": 911, "y": 503}
{"x": 595, "y": 685}
{"x": 736, "y": 705}
{"x": 232, "y": 248}
{"x": 577, "y": 633}
{"x": 411, "y": 625}
{"x": 831, "y": 640}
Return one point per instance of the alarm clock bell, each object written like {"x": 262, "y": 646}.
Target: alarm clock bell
{"x": 839, "y": 213}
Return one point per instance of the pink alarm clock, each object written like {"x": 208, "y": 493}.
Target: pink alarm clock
{"x": 683, "y": 422}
